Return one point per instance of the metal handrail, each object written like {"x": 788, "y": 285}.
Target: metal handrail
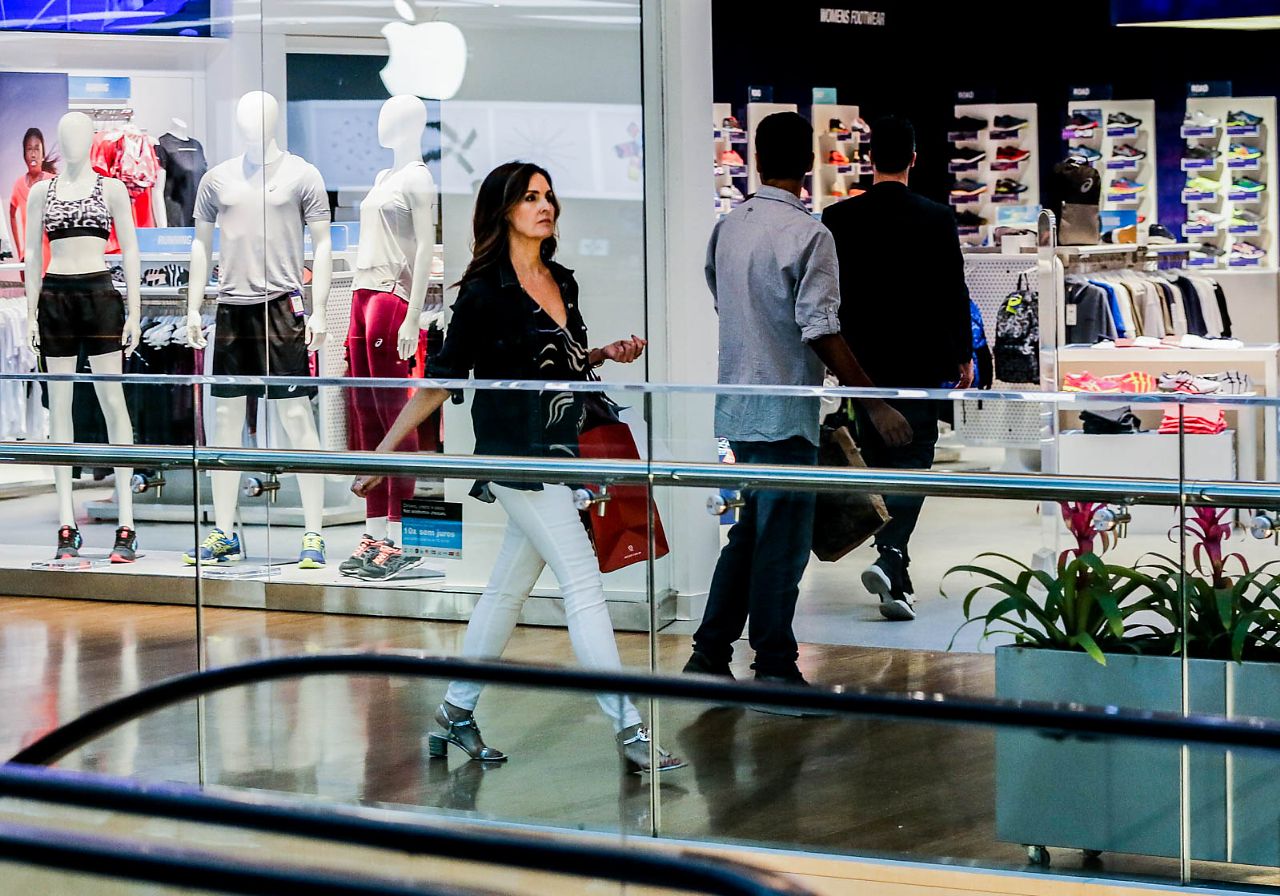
{"x": 682, "y": 871}
{"x": 657, "y": 473}
{"x": 1070, "y": 719}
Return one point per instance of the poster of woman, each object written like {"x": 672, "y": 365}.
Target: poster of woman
{"x": 30, "y": 105}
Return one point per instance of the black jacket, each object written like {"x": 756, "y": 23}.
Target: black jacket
{"x": 491, "y": 333}
{"x": 904, "y": 305}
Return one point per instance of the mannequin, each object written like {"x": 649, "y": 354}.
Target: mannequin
{"x": 261, "y": 200}
{"x": 73, "y": 306}
{"x": 183, "y": 161}
{"x": 393, "y": 267}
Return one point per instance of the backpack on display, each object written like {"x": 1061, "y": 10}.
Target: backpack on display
{"x": 1080, "y": 186}
{"x": 1017, "y": 354}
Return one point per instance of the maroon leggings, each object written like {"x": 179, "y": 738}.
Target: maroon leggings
{"x": 371, "y": 351}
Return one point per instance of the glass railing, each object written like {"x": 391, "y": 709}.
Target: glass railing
{"x": 1111, "y": 562}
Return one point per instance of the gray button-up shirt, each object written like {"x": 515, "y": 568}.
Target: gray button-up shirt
{"x": 773, "y": 273}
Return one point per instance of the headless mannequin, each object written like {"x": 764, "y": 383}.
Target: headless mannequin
{"x": 179, "y": 129}
{"x": 84, "y": 255}
{"x": 257, "y": 115}
{"x": 400, "y": 127}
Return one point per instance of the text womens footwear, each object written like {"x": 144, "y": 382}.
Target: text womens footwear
{"x": 125, "y": 549}
{"x": 69, "y": 543}
{"x": 460, "y": 730}
{"x": 368, "y": 547}
{"x": 633, "y": 748}
{"x": 312, "y": 555}
{"x": 218, "y": 547}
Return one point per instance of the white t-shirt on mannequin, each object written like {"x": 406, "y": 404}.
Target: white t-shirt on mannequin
{"x": 260, "y": 212}
{"x": 384, "y": 261}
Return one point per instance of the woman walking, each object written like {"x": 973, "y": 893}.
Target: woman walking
{"x": 517, "y": 317}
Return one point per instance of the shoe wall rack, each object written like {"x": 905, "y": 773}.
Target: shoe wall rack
{"x": 1127, "y": 151}
{"x": 991, "y": 170}
{"x": 840, "y": 159}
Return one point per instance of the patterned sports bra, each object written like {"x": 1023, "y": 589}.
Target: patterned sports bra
{"x": 76, "y": 217}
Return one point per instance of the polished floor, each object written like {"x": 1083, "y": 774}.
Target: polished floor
{"x": 833, "y": 785}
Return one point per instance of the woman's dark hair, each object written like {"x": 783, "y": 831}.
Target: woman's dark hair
{"x": 47, "y": 163}
{"x": 502, "y": 190}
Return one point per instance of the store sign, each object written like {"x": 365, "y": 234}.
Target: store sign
{"x": 1197, "y": 89}
{"x": 824, "y": 96}
{"x": 1089, "y": 92}
{"x": 969, "y": 96}
{"x": 97, "y": 90}
{"x": 762, "y": 94}
{"x": 837, "y": 16}
{"x": 431, "y": 528}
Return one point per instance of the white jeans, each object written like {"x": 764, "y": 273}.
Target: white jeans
{"x": 544, "y": 528}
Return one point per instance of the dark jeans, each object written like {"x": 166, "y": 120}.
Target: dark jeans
{"x": 917, "y": 454}
{"x": 758, "y": 573}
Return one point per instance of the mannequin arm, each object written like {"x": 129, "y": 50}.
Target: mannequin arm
{"x": 421, "y": 191}
{"x": 33, "y": 271}
{"x": 158, "y": 211}
{"x": 117, "y": 196}
{"x": 197, "y": 279}
{"x": 321, "y": 275}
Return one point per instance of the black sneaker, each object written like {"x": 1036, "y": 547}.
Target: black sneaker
{"x": 1201, "y": 153}
{"x": 701, "y": 664}
{"x": 970, "y": 219}
{"x": 69, "y": 543}
{"x": 1081, "y": 122}
{"x": 1127, "y": 151}
{"x": 1211, "y": 249}
{"x": 965, "y": 155}
{"x": 792, "y": 679}
{"x": 1009, "y": 123}
{"x": 387, "y": 563}
{"x": 884, "y": 579}
{"x": 1009, "y": 187}
{"x": 364, "y": 552}
{"x": 1123, "y": 120}
{"x": 967, "y": 124}
{"x": 126, "y": 546}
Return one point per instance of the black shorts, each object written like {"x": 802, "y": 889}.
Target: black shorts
{"x": 260, "y": 340}
{"x": 79, "y": 311}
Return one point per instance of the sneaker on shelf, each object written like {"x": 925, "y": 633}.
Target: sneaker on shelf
{"x": 1009, "y": 123}
{"x": 1243, "y": 152}
{"x": 729, "y": 191}
{"x": 1160, "y": 235}
{"x": 718, "y": 170}
{"x": 968, "y": 124}
{"x": 1242, "y": 217}
{"x": 860, "y": 127}
{"x": 731, "y": 123}
{"x": 1243, "y": 119}
{"x": 1201, "y": 185}
{"x": 1205, "y": 218}
{"x": 1080, "y": 382}
{"x": 1198, "y": 119}
{"x": 965, "y": 155}
{"x": 312, "y": 554}
{"x": 1184, "y": 381}
{"x": 837, "y": 192}
{"x": 1127, "y": 151}
{"x": 1200, "y": 153}
{"x": 968, "y": 187}
{"x": 1247, "y": 185}
{"x": 1081, "y": 122}
{"x": 1126, "y": 185}
{"x": 885, "y": 580}
{"x": 1244, "y": 249}
{"x": 1085, "y": 154}
{"x": 1007, "y": 186}
{"x": 1012, "y": 154}
{"x": 69, "y": 543}
{"x": 1123, "y": 120}
{"x": 836, "y": 128}
{"x": 364, "y": 552}
{"x": 125, "y": 550}
{"x": 1232, "y": 382}
{"x": 1211, "y": 249}
{"x": 836, "y": 157}
{"x": 387, "y": 563}
{"x": 731, "y": 158}
{"x": 217, "y": 547}
{"x": 970, "y": 219}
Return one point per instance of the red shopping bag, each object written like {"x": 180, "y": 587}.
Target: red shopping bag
{"x": 621, "y": 533}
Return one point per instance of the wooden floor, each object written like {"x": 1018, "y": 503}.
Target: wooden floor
{"x": 828, "y": 785}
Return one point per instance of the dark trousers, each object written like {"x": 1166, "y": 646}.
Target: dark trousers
{"x": 917, "y": 454}
{"x": 758, "y": 574}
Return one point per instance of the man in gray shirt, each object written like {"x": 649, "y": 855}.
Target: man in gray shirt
{"x": 773, "y": 274}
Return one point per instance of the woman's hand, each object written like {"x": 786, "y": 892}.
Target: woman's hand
{"x": 624, "y": 351}
{"x": 365, "y": 484}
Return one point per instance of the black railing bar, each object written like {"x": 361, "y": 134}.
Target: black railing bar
{"x": 659, "y": 473}
{"x": 197, "y": 871}
{"x": 1068, "y": 719}
{"x": 361, "y": 827}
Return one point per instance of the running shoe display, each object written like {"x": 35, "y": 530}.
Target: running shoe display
{"x": 1123, "y": 120}
{"x": 1205, "y": 218}
{"x": 836, "y": 157}
{"x": 967, "y": 124}
{"x": 69, "y": 543}
{"x": 1184, "y": 381}
{"x": 1084, "y": 153}
{"x": 125, "y": 550}
{"x": 966, "y": 155}
{"x": 1127, "y": 151}
{"x": 731, "y": 192}
{"x": 363, "y": 553}
{"x": 1242, "y": 217}
{"x": 837, "y": 129}
{"x": 218, "y": 547}
{"x": 731, "y": 123}
{"x": 1243, "y": 152}
{"x": 1243, "y": 119}
{"x": 1082, "y": 122}
{"x": 731, "y": 158}
{"x": 387, "y": 563}
{"x": 1247, "y": 185}
{"x": 860, "y": 127}
{"x": 312, "y": 554}
{"x": 1006, "y": 186}
{"x": 969, "y": 219}
{"x": 1159, "y": 235}
{"x": 1201, "y": 153}
{"x": 1201, "y": 185}
{"x": 1009, "y": 123}
{"x": 1244, "y": 249}
{"x": 1211, "y": 249}
{"x": 1012, "y": 154}
{"x": 968, "y": 187}
{"x": 1198, "y": 119}
{"x": 1126, "y": 185}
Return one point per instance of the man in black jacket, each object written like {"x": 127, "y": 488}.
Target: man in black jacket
{"x": 904, "y": 310}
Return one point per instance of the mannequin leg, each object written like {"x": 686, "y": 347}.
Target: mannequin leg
{"x": 376, "y": 527}
{"x": 119, "y": 426}
{"x": 299, "y": 426}
{"x": 61, "y": 429}
{"x": 228, "y": 432}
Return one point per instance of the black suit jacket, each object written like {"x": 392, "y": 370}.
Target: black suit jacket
{"x": 904, "y": 305}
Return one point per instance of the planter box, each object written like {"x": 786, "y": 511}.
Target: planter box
{"x": 1122, "y": 795}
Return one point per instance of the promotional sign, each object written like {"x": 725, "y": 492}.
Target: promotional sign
{"x": 30, "y": 105}
{"x": 431, "y": 528}
{"x": 824, "y": 96}
{"x": 188, "y": 18}
{"x": 81, "y": 89}
{"x": 1208, "y": 88}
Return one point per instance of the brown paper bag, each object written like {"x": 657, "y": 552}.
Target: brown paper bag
{"x": 847, "y": 519}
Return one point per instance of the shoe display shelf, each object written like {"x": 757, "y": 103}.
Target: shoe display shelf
{"x": 1106, "y": 139}
{"x": 727, "y": 177}
{"x": 833, "y": 181}
{"x": 1219, "y": 194}
{"x": 990, "y": 170}
{"x": 756, "y": 113}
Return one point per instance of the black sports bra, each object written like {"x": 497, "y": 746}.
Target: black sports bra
{"x": 77, "y": 217}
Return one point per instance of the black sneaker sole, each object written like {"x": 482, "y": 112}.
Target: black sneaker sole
{"x": 364, "y": 575}
{"x": 891, "y": 608}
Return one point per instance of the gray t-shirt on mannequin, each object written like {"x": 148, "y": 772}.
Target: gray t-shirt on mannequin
{"x": 261, "y": 213}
